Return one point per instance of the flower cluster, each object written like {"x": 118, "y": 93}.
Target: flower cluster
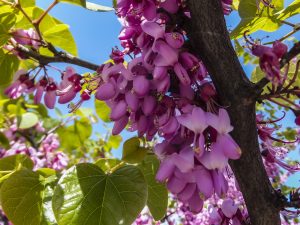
{"x": 47, "y": 88}
{"x": 269, "y": 60}
{"x": 271, "y": 152}
{"x": 195, "y": 173}
{"x": 43, "y": 155}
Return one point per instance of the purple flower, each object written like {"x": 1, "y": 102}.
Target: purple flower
{"x": 50, "y": 95}
{"x": 229, "y": 208}
{"x": 196, "y": 122}
{"x": 69, "y": 86}
{"x": 224, "y": 146}
{"x": 27, "y": 37}
{"x": 22, "y": 84}
{"x": 269, "y": 59}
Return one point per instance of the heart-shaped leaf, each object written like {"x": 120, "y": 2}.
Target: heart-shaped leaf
{"x": 86, "y": 195}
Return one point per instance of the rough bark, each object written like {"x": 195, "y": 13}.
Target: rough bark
{"x": 209, "y": 37}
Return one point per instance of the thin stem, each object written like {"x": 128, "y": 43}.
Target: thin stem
{"x": 18, "y": 6}
{"x": 287, "y": 23}
{"x": 290, "y": 34}
{"x": 279, "y": 103}
{"x": 38, "y": 21}
{"x": 277, "y": 94}
{"x": 289, "y": 101}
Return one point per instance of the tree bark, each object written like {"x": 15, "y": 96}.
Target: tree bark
{"x": 209, "y": 37}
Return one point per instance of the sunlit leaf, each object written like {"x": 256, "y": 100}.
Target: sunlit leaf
{"x": 61, "y": 37}
{"x": 76, "y": 2}
{"x": 86, "y": 195}
{"x": 98, "y": 8}
{"x": 28, "y": 120}
{"x": 8, "y": 66}
{"x": 102, "y": 110}
{"x": 25, "y": 205}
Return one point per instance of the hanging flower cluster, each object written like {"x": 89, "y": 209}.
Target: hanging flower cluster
{"x": 156, "y": 94}
{"x": 272, "y": 153}
{"x": 269, "y": 60}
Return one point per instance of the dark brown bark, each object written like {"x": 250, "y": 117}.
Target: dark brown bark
{"x": 209, "y": 37}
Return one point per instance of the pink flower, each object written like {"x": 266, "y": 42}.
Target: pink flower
{"x": 50, "y": 95}
{"x": 22, "y": 84}
{"x": 196, "y": 122}
{"x": 229, "y": 208}
{"x": 269, "y": 59}
{"x": 223, "y": 147}
{"x": 69, "y": 86}
{"x": 27, "y": 37}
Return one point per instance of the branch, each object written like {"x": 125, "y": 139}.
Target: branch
{"x": 209, "y": 37}
{"x": 60, "y": 57}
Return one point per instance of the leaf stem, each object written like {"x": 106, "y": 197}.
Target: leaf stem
{"x": 116, "y": 167}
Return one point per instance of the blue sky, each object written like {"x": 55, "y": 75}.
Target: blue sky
{"x": 96, "y": 33}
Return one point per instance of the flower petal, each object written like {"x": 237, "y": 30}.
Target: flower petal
{"x": 166, "y": 169}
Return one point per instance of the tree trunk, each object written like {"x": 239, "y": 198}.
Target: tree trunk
{"x": 209, "y": 37}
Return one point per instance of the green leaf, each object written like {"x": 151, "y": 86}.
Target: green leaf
{"x": 75, "y": 2}
{"x": 46, "y": 172}
{"x": 235, "y": 4}
{"x": 292, "y": 10}
{"x": 257, "y": 75}
{"x": 74, "y": 136}
{"x": 114, "y": 141}
{"x": 132, "y": 152}
{"x": 61, "y": 37}
{"x": 4, "y": 142}
{"x": 7, "y": 21}
{"x": 28, "y": 120}
{"x": 34, "y": 13}
{"x": 98, "y": 8}
{"x": 25, "y": 3}
{"x": 106, "y": 164}
{"x": 23, "y": 199}
{"x": 14, "y": 162}
{"x": 8, "y": 66}
{"x": 253, "y": 19}
{"x": 86, "y": 195}
{"x": 157, "y": 192}
{"x": 102, "y": 110}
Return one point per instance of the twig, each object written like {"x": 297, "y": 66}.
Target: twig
{"x": 60, "y": 57}
{"x": 39, "y": 20}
